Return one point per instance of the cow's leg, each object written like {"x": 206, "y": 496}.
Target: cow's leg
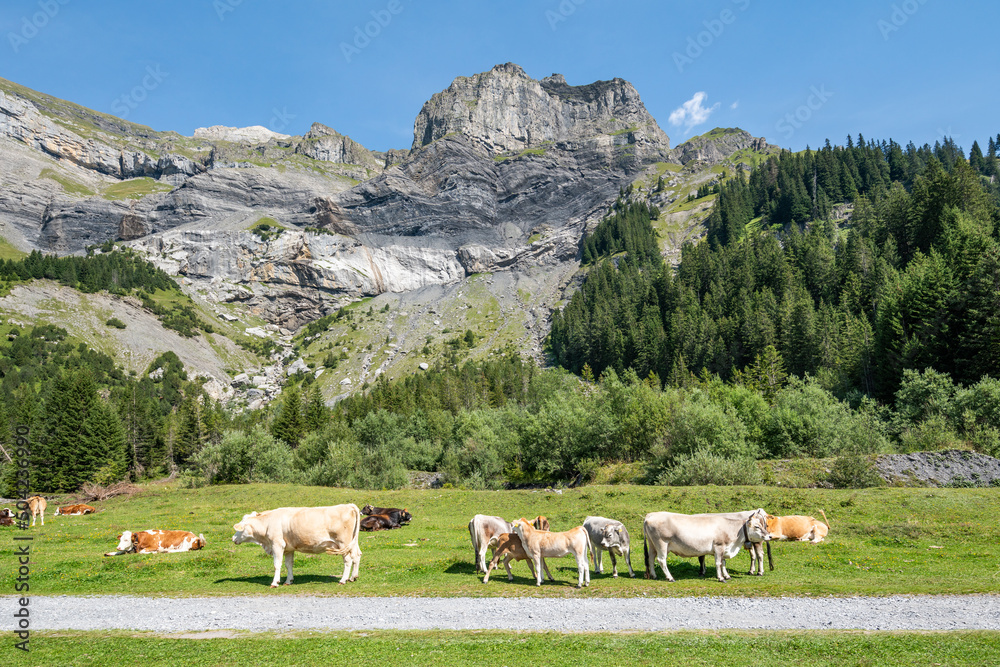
{"x": 289, "y": 559}
{"x": 492, "y": 565}
{"x": 546, "y": 566}
{"x": 583, "y": 570}
{"x": 538, "y": 570}
{"x": 595, "y": 553}
{"x": 356, "y": 557}
{"x": 348, "y": 566}
{"x": 628, "y": 561}
{"x": 701, "y": 565}
{"x": 510, "y": 575}
{"x": 662, "y": 560}
{"x": 614, "y": 563}
{"x": 277, "y": 554}
{"x": 720, "y": 564}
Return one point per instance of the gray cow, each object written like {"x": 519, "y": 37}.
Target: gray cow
{"x": 611, "y": 536}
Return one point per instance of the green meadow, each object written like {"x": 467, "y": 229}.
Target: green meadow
{"x": 883, "y": 541}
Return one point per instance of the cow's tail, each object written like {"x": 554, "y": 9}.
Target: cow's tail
{"x": 645, "y": 553}
{"x": 824, "y": 519}
{"x": 770, "y": 562}
{"x": 357, "y": 528}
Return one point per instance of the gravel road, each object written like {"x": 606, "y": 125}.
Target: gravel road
{"x": 972, "y": 612}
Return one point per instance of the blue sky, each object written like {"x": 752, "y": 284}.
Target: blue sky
{"x": 797, "y": 73}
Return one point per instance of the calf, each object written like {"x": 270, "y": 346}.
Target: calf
{"x": 74, "y": 510}
{"x": 378, "y": 522}
{"x": 509, "y": 547}
{"x": 539, "y": 544}
{"x": 696, "y": 535}
{"x": 611, "y": 536}
{"x": 6, "y": 517}
{"x": 157, "y": 542}
{"x": 37, "y": 505}
{"x": 797, "y": 528}
{"x": 400, "y": 517}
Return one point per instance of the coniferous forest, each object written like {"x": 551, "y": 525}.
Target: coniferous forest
{"x": 844, "y": 302}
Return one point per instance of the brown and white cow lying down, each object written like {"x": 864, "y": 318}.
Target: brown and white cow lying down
{"x": 157, "y": 542}
{"x": 697, "y": 535}
{"x": 400, "y": 517}
{"x": 37, "y": 505}
{"x": 797, "y": 528}
{"x": 74, "y": 510}
{"x": 485, "y": 530}
{"x": 509, "y": 547}
{"x": 378, "y": 522}
{"x": 539, "y": 544}
{"x": 6, "y": 517}
{"x": 312, "y": 530}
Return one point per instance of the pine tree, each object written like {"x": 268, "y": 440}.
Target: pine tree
{"x": 289, "y": 424}
{"x": 317, "y": 414}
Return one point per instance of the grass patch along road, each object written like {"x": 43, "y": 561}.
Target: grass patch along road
{"x": 515, "y": 648}
{"x": 883, "y": 541}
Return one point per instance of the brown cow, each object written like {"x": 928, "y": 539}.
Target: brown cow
{"x": 398, "y": 516}
{"x": 539, "y": 544}
{"x": 6, "y": 517}
{"x": 378, "y": 522}
{"x": 74, "y": 510}
{"x": 797, "y": 528}
{"x": 509, "y": 548}
{"x": 37, "y": 505}
{"x": 157, "y": 542}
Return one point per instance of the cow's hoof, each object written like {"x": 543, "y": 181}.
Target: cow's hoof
{"x": 614, "y": 576}
{"x": 288, "y": 583}
{"x": 274, "y": 585}
{"x": 632, "y": 574}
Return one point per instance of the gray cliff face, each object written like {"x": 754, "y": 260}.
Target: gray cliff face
{"x": 506, "y": 110}
{"x": 506, "y": 172}
{"x": 717, "y": 145}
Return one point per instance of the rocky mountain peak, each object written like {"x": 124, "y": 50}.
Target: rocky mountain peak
{"x": 505, "y": 110}
{"x": 255, "y": 134}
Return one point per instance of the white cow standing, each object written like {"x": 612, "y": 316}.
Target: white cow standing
{"x": 314, "y": 530}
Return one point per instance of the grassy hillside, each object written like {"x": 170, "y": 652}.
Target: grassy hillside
{"x": 882, "y": 542}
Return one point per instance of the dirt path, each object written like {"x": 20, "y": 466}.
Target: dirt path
{"x": 260, "y": 613}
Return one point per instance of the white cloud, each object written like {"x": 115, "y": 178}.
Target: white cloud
{"x": 734, "y": 105}
{"x": 692, "y": 113}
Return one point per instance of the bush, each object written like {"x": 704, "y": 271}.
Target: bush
{"x": 480, "y": 449}
{"x": 703, "y": 468}
{"x": 932, "y": 434}
{"x": 116, "y": 323}
{"x": 238, "y": 457}
{"x": 855, "y": 471}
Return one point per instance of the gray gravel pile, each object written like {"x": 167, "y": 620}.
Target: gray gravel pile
{"x": 940, "y": 468}
{"x": 971, "y": 612}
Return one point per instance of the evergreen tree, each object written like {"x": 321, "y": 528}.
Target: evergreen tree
{"x": 289, "y": 424}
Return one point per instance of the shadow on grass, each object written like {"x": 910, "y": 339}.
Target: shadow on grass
{"x": 299, "y": 579}
{"x": 461, "y": 568}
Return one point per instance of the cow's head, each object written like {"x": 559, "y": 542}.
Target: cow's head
{"x": 519, "y": 526}
{"x": 757, "y": 526}
{"x": 368, "y": 509}
{"x": 244, "y": 531}
{"x": 612, "y": 536}
{"x": 125, "y": 541}
{"x": 6, "y": 513}
{"x": 541, "y": 522}
{"x": 405, "y": 515}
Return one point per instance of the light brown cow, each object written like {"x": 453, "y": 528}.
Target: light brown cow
{"x": 485, "y": 530}
{"x": 539, "y": 544}
{"x": 509, "y": 547}
{"x": 312, "y": 530}
{"x": 37, "y": 505}
{"x": 157, "y": 542}
{"x": 798, "y": 528}
{"x": 74, "y": 510}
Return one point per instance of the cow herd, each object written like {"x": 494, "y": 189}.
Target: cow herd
{"x": 334, "y": 530}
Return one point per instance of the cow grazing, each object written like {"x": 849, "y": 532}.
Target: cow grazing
{"x": 313, "y": 530}
{"x": 37, "y": 505}
{"x": 157, "y": 542}
{"x": 509, "y": 547}
{"x": 539, "y": 544}
{"x": 798, "y": 528}
{"x": 6, "y": 517}
{"x": 74, "y": 510}
{"x": 611, "y": 536}
{"x": 698, "y": 535}
{"x": 400, "y": 517}
{"x": 378, "y": 522}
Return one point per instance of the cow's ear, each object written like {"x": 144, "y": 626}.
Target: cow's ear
{"x": 238, "y": 527}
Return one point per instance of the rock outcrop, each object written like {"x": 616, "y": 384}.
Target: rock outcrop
{"x": 716, "y": 146}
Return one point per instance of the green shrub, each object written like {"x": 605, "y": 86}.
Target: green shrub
{"x": 855, "y": 471}
{"x": 932, "y": 434}
{"x": 238, "y": 457}
{"x": 116, "y": 323}
{"x": 703, "y": 467}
